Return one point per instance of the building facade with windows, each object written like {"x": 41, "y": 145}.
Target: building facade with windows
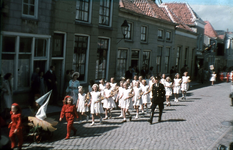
{"x": 149, "y": 40}
{"x": 85, "y": 33}
{"x": 25, "y": 41}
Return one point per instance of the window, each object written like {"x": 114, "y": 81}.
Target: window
{"x": 121, "y": 62}
{"x": 82, "y": 10}
{"x": 40, "y": 48}
{"x": 17, "y": 57}
{"x": 104, "y": 12}
{"x": 146, "y": 59}
{"x": 128, "y": 31}
{"x": 30, "y": 8}
{"x": 58, "y": 45}
{"x": 101, "y": 62}
{"x": 168, "y": 36}
{"x": 178, "y": 57}
{"x": 158, "y": 59}
{"x": 167, "y": 60}
{"x": 160, "y": 34}
{"x": 79, "y": 56}
{"x": 185, "y": 56}
{"x": 143, "y": 33}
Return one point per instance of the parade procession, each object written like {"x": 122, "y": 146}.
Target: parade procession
{"x": 116, "y": 74}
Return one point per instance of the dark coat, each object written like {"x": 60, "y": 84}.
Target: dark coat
{"x": 158, "y": 93}
{"x": 128, "y": 75}
{"x": 52, "y": 77}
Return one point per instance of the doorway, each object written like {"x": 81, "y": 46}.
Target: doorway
{"x": 58, "y": 73}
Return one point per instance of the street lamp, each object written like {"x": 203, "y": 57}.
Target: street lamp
{"x": 124, "y": 27}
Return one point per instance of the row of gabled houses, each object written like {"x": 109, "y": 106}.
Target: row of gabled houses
{"x": 87, "y": 36}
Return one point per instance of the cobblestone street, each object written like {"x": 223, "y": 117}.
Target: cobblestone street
{"x": 197, "y": 123}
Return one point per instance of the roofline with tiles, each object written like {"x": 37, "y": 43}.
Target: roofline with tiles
{"x": 124, "y": 10}
{"x": 187, "y": 33}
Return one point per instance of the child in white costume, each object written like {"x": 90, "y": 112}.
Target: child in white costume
{"x": 163, "y": 80}
{"x": 176, "y": 86}
{"x": 82, "y": 104}
{"x": 126, "y": 96}
{"x": 96, "y": 106}
{"x": 137, "y": 99}
{"x": 113, "y": 87}
{"x": 213, "y": 78}
{"x": 185, "y": 85}
{"x": 135, "y": 79}
{"x": 168, "y": 89}
{"x": 109, "y": 102}
{"x": 118, "y": 99}
{"x": 145, "y": 96}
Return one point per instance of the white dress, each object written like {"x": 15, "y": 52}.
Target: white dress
{"x": 108, "y": 103}
{"x": 81, "y": 104}
{"x": 168, "y": 89}
{"x": 96, "y": 107}
{"x": 113, "y": 86}
{"x": 185, "y": 86}
{"x": 72, "y": 89}
{"x": 137, "y": 101}
{"x": 133, "y": 83}
{"x": 101, "y": 89}
{"x": 145, "y": 98}
{"x": 213, "y": 77}
{"x": 176, "y": 88}
{"x": 162, "y": 81}
{"x": 126, "y": 103}
{"x": 121, "y": 89}
{"x": 89, "y": 88}
{"x": 150, "y": 85}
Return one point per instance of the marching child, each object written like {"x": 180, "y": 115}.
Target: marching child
{"x": 69, "y": 110}
{"x": 16, "y": 126}
{"x": 113, "y": 87}
{"x": 96, "y": 106}
{"x": 135, "y": 79}
{"x": 137, "y": 99}
{"x": 129, "y": 83}
{"x": 118, "y": 99}
{"x": 126, "y": 96}
{"x": 168, "y": 89}
{"x": 82, "y": 103}
{"x": 185, "y": 85}
{"x": 145, "y": 96}
{"x": 213, "y": 78}
{"x": 176, "y": 86}
{"x": 163, "y": 80}
{"x": 109, "y": 102}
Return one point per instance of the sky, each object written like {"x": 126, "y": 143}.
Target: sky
{"x": 218, "y": 12}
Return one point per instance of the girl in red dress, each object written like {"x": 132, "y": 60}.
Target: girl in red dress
{"x": 16, "y": 126}
{"x": 69, "y": 110}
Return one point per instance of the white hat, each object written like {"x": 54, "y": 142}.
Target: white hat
{"x": 95, "y": 85}
{"x": 75, "y": 73}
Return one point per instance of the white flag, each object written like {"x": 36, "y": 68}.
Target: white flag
{"x": 41, "y": 113}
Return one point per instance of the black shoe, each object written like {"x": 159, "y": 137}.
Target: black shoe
{"x": 149, "y": 121}
{"x": 130, "y": 118}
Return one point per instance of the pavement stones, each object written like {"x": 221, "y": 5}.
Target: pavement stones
{"x": 200, "y": 122}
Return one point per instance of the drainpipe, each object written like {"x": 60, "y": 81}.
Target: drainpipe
{"x": 1, "y": 7}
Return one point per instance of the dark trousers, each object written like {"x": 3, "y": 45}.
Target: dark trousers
{"x": 161, "y": 107}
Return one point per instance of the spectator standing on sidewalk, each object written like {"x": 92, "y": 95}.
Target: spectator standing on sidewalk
{"x": 42, "y": 84}
{"x": 7, "y": 93}
{"x": 128, "y": 73}
{"x": 51, "y": 82}
{"x": 72, "y": 89}
{"x": 35, "y": 85}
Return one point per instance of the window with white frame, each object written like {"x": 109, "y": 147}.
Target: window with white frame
{"x": 121, "y": 62}
{"x": 18, "y": 58}
{"x": 102, "y": 57}
{"x": 167, "y": 59}
{"x": 82, "y": 10}
{"x": 30, "y": 8}
{"x": 160, "y": 34}
{"x": 146, "y": 59}
{"x": 168, "y": 35}
{"x": 79, "y": 56}
{"x": 143, "y": 33}
{"x": 105, "y": 12}
{"x": 128, "y": 31}
{"x": 178, "y": 57}
{"x": 158, "y": 59}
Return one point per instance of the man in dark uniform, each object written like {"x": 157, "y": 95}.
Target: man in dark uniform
{"x": 158, "y": 93}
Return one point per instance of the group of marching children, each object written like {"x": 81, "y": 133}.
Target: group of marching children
{"x": 103, "y": 97}
{"x": 179, "y": 85}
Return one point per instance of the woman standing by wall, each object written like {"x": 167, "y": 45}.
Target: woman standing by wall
{"x": 72, "y": 88}
{"x": 7, "y": 91}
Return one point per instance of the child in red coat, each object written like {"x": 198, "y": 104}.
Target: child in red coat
{"x": 16, "y": 126}
{"x": 69, "y": 110}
